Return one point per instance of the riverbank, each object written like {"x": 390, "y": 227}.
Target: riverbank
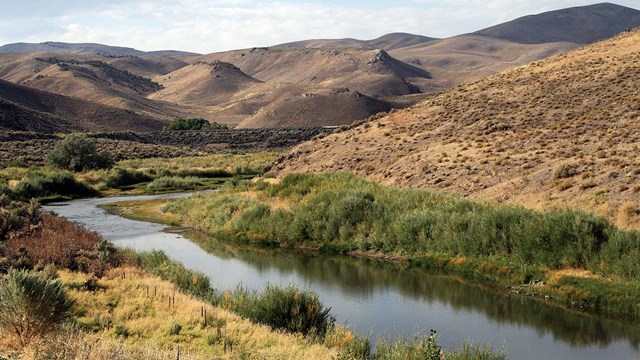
{"x": 574, "y": 259}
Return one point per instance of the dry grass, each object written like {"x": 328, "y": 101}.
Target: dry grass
{"x": 503, "y": 138}
{"x": 127, "y": 318}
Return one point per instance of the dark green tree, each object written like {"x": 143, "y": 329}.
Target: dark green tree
{"x": 77, "y": 152}
{"x": 180, "y": 124}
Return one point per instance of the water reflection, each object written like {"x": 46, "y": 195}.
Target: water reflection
{"x": 363, "y": 278}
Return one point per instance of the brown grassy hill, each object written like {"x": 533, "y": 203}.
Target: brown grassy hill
{"x": 69, "y": 113}
{"x": 86, "y": 77}
{"x": 386, "y": 42}
{"x": 372, "y": 72}
{"x": 328, "y": 107}
{"x": 204, "y": 83}
{"x": 583, "y": 25}
{"x": 560, "y": 132}
{"x": 467, "y": 58}
{"x": 19, "y": 118}
{"x": 149, "y": 67}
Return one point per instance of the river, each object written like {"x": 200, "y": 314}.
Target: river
{"x": 381, "y": 298}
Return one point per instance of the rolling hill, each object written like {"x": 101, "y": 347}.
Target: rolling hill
{"x": 559, "y": 132}
{"x": 30, "y": 109}
{"x": 305, "y": 83}
{"x": 581, "y": 25}
{"x": 330, "y": 108}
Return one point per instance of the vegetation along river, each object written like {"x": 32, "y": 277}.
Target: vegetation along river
{"x": 381, "y": 298}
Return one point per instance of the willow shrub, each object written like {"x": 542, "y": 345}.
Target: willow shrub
{"x": 341, "y": 212}
{"x": 31, "y": 305}
{"x": 60, "y": 183}
{"x": 284, "y": 308}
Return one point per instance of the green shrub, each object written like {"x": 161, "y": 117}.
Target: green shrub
{"x": 77, "y": 152}
{"x": 174, "y": 183}
{"x": 123, "y": 177}
{"x": 56, "y": 183}
{"x": 175, "y": 328}
{"x": 180, "y": 124}
{"x": 122, "y": 331}
{"x": 284, "y": 308}
{"x": 31, "y": 305}
{"x": 191, "y": 282}
{"x": 341, "y": 212}
{"x": 566, "y": 171}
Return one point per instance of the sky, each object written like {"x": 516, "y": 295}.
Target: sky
{"x": 206, "y": 26}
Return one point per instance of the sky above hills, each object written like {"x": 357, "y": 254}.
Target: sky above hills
{"x": 206, "y": 26}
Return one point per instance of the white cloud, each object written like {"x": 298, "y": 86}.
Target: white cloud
{"x": 215, "y": 25}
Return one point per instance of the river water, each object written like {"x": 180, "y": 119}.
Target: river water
{"x": 381, "y": 298}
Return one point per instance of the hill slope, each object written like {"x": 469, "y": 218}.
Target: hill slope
{"x": 329, "y": 107}
{"x": 582, "y": 25}
{"x": 372, "y": 72}
{"x": 27, "y": 108}
{"x": 386, "y": 42}
{"x": 560, "y": 132}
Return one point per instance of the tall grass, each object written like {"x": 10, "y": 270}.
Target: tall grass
{"x": 174, "y": 183}
{"x": 344, "y": 213}
{"x": 54, "y": 183}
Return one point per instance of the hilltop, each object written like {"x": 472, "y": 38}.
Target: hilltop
{"x": 555, "y": 133}
{"x": 581, "y": 25}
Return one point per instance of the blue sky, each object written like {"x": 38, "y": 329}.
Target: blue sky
{"x": 216, "y": 25}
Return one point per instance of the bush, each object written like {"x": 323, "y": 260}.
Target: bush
{"x": 56, "y": 183}
{"x": 180, "y": 124}
{"x": 191, "y": 282}
{"x": 64, "y": 244}
{"x": 174, "y": 183}
{"x": 284, "y": 308}
{"x": 77, "y": 153}
{"x": 123, "y": 177}
{"x": 31, "y": 306}
{"x": 566, "y": 171}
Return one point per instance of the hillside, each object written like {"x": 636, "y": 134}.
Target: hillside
{"x": 467, "y": 58}
{"x": 372, "y": 72}
{"x": 386, "y": 42}
{"x": 90, "y": 78}
{"x": 19, "y": 118}
{"x": 560, "y": 132}
{"x": 31, "y": 109}
{"x": 582, "y": 25}
{"x": 149, "y": 67}
{"x": 203, "y": 83}
{"x": 330, "y": 108}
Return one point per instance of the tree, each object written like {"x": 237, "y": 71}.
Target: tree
{"x": 31, "y": 305}
{"x": 180, "y": 124}
{"x": 77, "y": 152}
